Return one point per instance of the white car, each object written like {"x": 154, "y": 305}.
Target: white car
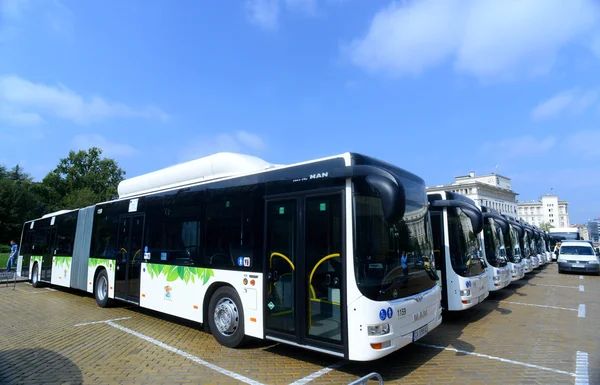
{"x": 578, "y": 256}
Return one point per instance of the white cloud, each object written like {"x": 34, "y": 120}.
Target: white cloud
{"x": 574, "y": 101}
{"x": 252, "y": 141}
{"x": 263, "y": 12}
{"x": 583, "y": 143}
{"x": 266, "y": 13}
{"x": 20, "y": 97}
{"x": 307, "y": 7}
{"x": 525, "y": 146}
{"x": 241, "y": 142}
{"x": 17, "y": 16}
{"x": 485, "y": 38}
{"x": 109, "y": 149}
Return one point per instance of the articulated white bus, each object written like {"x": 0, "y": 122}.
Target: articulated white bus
{"x": 497, "y": 268}
{"x": 516, "y": 262}
{"x": 333, "y": 255}
{"x": 456, "y": 222}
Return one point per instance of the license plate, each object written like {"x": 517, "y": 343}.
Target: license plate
{"x": 420, "y": 332}
{"x": 578, "y": 265}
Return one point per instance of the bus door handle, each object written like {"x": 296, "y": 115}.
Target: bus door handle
{"x": 328, "y": 279}
{"x": 273, "y": 276}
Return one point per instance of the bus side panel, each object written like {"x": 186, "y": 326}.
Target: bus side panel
{"x": 181, "y": 290}
{"x": 93, "y": 265}
{"x": 61, "y": 271}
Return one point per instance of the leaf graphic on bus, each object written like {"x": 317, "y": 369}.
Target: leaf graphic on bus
{"x": 205, "y": 275}
{"x": 187, "y": 275}
{"x": 172, "y": 274}
{"x": 181, "y": 272}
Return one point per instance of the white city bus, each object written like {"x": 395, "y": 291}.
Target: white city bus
{"x": 565, "y": 233}
{"x": 456, "y": 222}
{"x": 513, "y": 249}
{"x": 326, "y": 255}
{"x": 525, "y": 243}
{"x": 535, "y": 259}
{"x": 497, "y": 268}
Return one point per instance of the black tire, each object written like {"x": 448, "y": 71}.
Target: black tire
{"x": 101, "y": 289}
{"x": 35, "y": 282}
{"x": 225, "y": 304}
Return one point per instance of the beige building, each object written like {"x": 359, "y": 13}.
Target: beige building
{"x": 491, "y": 190}
{"x": 547, "y": 210}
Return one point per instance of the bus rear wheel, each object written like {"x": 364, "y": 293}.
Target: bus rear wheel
{"x": 226, "y": 317}
{"x": 101, "y": 289}
{"x": 34, "y": 276}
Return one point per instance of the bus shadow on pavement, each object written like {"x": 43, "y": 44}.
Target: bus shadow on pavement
{"x": 392, "y": 367}
{"x": 37, "y": 366}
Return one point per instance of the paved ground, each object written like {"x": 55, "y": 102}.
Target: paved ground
{"x": 541, "y": 330}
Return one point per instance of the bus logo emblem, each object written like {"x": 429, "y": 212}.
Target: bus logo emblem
{"x": 271, "y": 305}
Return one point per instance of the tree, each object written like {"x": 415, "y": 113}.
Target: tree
{"x": 545, "y": 226}
{"x": 81, "y": 179}
{"x": 18, "y": 203}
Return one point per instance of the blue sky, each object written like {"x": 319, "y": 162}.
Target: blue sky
{"x": 439, "y": 88}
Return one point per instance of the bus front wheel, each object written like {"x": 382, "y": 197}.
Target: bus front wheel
{"x": 226, "y": 317}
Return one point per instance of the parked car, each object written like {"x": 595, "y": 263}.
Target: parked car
{"x": 578, "y": 256}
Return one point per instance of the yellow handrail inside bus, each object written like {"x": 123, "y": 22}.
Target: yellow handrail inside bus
{"x": 276, "y": 254}
{"x": 312, "y": 289}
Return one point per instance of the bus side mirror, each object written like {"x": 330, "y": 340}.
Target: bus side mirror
{"x": 476, "y": 218}
{"x": 392, "y": 195}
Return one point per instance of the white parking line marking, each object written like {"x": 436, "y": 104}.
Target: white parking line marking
{"x": 533, "y": 304}
{"x": 581, "y": 277}
{"x": 582, "y": 376}
{"x": 581, "y": 312}
{"x": 317, "y": 374}
{"x": 497, "y": 358}
{"x": 190, "y": 357}
{"x": 540, "y": 284}
{"x": 50, "y": 289}
{"x": 581, "y": 288}
{"x": 102, "y": 322}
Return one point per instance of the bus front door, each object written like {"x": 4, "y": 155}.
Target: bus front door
{"x": 304, "y": 270}
{"x": 129, "y": 258}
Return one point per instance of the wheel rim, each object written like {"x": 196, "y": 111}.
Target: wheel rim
{"x": 227, "y": 318}
{"x": 34, "y": 276}
{"x": 102, "y": 289}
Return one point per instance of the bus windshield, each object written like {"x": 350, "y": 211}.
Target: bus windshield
{"x": 492, "y": 236}
{"x": 392, "y": 260}
{"x": 525, "y": 245}
{"x": 464, "y": 244}
{"x": 511, "y": 241}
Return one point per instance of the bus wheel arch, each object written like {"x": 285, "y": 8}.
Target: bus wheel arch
{"x": 101, "y": 287}
{"x": 35, "y": 282}
{"x": 225, "y": 315}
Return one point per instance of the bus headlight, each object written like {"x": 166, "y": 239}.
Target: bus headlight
{"x": 496, "y": 278}
{"x": 465, "y": 293}
{"x": 378, "y": 330}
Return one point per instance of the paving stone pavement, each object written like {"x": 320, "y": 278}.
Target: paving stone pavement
{"x": 527, "y": 333}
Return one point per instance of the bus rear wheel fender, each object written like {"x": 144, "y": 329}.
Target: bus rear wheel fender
{"x": 101, "y": 288}
{"x": 225, "y": 317}
{"x": 35, "y": 282}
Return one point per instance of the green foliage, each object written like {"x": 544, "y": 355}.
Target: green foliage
{"x": 545, "y": 226}
{"x": 82, "y": 179}
{"x": 79, "y": 180}
{"x": 18, "y": 202}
